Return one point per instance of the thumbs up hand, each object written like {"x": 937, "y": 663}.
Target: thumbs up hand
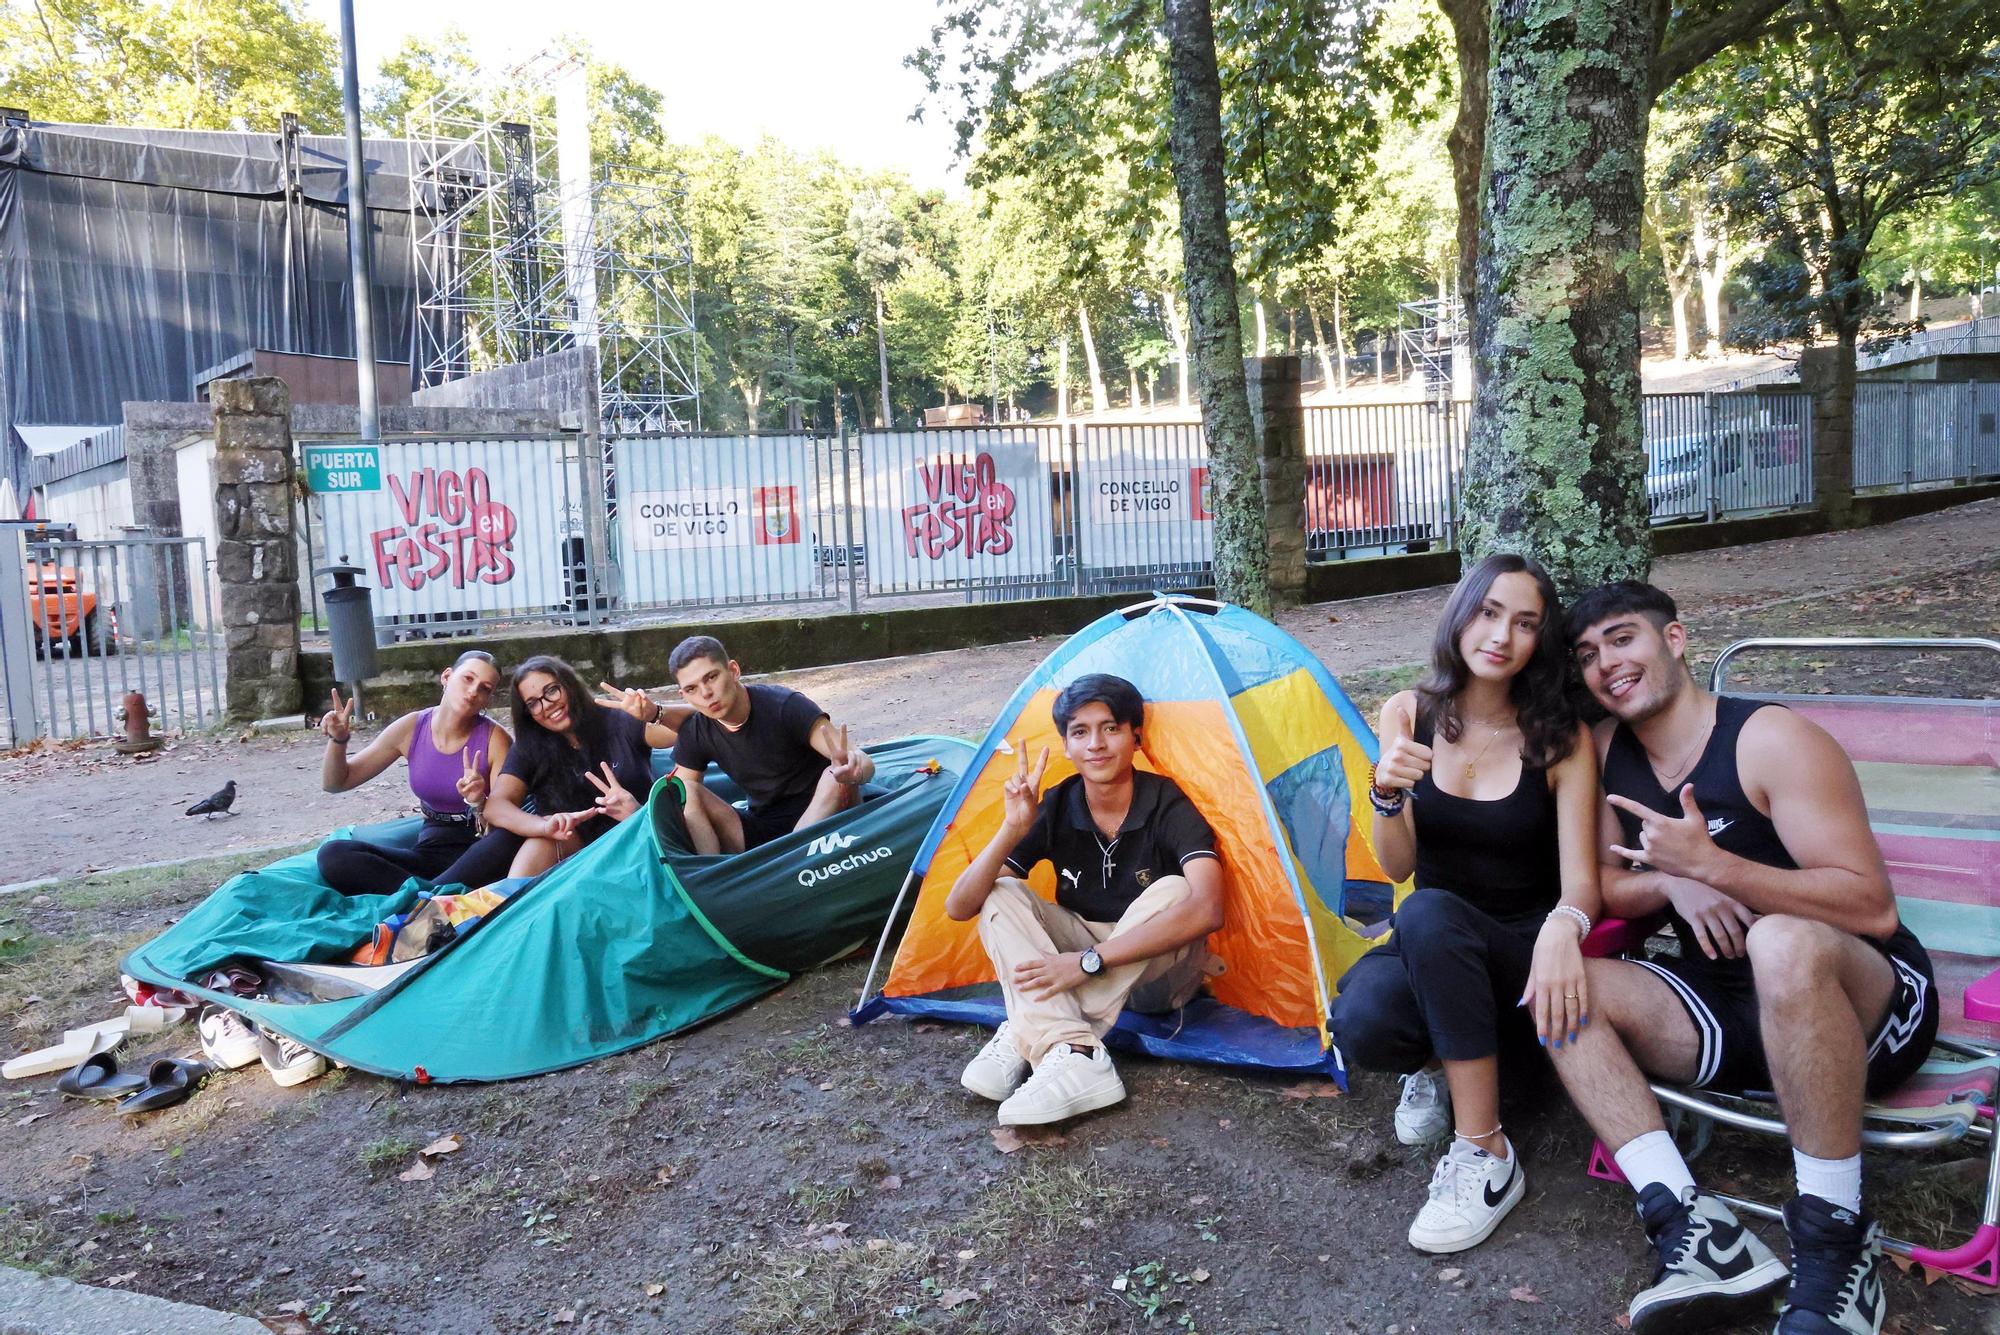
{"x": 1404, "y": 760}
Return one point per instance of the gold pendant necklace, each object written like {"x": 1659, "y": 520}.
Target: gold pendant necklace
{"x": 1471, "y": 766}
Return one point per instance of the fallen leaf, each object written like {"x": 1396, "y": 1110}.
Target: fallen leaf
{"x": 1311, "y": 1089}
{"x": 1225, "y": 1123}
{"x": 350, "y": 1289}
{"x": 967, "y": 1253}
{"x": 655, "y": 1290}
{"x": 951, "y": 1298}
{"x": 1007, "y": 1139}
{"x": 450, "y": 1144}
{"x": 1160, "y": 1142}
{"x": 878, "y": 1244}
{"x": 1622, "y": 1321}
{"x": 825, "y": 1085}
{"x": 1521, "y": 1293}
{"x": 131, "y": 1275}
{"x": 286, "y": 1325}
{"x": 1197, "y": 1200}
{"x": 928, "y": 1028}
{"x": 564, "y": 1317}
{"x": 1199, "y": 1277}
{"x": 1447, "y": 1276}
{"x": 32, "y": 1118}
{"x": 891, "y": 1183}
{"x": 420, "y": 1171}
{"x": 663, "y": 1175}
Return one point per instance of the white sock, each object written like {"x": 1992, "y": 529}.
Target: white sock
{"x": 1836, "y": 1181}
{"x": 1652, "y": 1158}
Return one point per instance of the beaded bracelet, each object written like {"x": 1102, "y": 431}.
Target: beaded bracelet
{"x": 1387, "y": 806}
{"x": 1577, "y": 915}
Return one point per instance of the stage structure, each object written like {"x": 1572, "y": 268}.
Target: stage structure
{"x": 523, "y": 250}
{"x": 1433, "y": 337}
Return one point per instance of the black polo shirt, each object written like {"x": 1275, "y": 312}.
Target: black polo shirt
{"x": 1097, "y": 878}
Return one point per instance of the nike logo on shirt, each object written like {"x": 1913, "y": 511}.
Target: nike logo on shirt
{"x": 1717, "y": 824}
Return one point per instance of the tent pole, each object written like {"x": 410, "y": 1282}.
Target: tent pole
{"x": 868, "y": 983}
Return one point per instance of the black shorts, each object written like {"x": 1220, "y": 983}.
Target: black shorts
{"x": 1722, "y": 1002}
{"x": 773, "y": 822}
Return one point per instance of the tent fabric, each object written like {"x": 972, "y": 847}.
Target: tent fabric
{"x": 605, "y": 952}
{"x": 1266, "y": 744}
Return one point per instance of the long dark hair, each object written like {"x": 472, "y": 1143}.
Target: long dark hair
{"x": 545, "y": 752}
{"x": 1539, "y": 691}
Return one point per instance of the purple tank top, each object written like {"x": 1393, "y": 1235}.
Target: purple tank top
{"x": 434, "y": 775}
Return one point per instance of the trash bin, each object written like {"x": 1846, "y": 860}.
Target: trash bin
{"x": 350, "y": 624}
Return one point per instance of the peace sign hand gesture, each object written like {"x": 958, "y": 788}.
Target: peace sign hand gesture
{"x": 337, "y": 723}
{"x": 614, "y": 801}
{"x": 1022, "y": 792}
{"x": 630, "y": 699}
{"x": 846, "y": 766}
{"x": 1678, "y": 846}
{"x": 472, "y": 779}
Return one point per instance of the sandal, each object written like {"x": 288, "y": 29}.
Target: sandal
{"x": 170, "y": 1081}
{"x": 99, "y": 1078}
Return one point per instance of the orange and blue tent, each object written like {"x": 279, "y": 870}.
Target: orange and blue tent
{"x": 1263, "y": 740}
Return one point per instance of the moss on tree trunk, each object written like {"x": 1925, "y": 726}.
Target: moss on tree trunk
{"x": 1555, "y": 466}
{"x": 1242, "y": 556}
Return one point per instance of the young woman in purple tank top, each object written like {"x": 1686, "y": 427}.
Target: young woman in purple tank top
{"x": 1486, "y": 793}
{"x": 454, "y": 753}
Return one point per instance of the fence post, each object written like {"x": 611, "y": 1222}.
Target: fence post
{"x": 17, "y": 641}
{"x": 255, "y": 552}
{"x": 1708, "y": 439}
{"x": 1075, "y": 511}
{"x": 1909, "y": 435}
{"x": 597, "y": 575}
{"x": 847, "y": 466}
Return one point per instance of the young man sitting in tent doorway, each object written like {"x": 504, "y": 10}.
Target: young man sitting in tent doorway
{"x": 778, "y": 746}
{"x": 1138, "y": 890}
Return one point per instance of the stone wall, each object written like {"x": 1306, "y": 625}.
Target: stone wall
{"x": 562, "y": 385}
{"x": 1278, "y": 416}
{"x": 256, "y": 557}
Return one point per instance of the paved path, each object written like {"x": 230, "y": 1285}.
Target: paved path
{"x": 87, "y": 808}
{"x": 32, "y": 1304}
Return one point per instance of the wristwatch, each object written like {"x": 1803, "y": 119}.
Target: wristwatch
{"x": 1091, "y": 962}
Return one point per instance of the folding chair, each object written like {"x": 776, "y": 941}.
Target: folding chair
{"x": 1930, "y": 771}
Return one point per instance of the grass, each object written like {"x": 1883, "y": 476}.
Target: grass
{"x": 1045, "y": 1201}
{"x": 386, "y": 1151}
{"x": 29, "y": 1244}
{"x": 846, "y": 1292}
{"x": 152, "y": 887}
{"x": 819, "y": 1202}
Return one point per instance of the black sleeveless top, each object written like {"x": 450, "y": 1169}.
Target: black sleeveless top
{"x": 1499, "y": 855}
{"x": 1735, "y": 825}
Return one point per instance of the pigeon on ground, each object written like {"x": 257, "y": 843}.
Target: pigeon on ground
{"x": 216, "y": 804}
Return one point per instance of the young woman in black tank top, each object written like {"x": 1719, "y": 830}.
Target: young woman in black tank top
{"x": 1486, "y": 792}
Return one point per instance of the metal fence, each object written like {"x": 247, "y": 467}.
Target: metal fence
{"x": 83, "y": 623}
{"x": 1911, "y": 433}
{"x": 477, "y": 533}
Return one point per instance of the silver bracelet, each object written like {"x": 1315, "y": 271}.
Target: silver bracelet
{"x": 1576, "y": 915}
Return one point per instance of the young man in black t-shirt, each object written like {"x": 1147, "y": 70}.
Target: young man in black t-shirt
{"x": 1745, "y": 824}
{"x": 1138, "y": 890}
{"x": 778, "y": 746}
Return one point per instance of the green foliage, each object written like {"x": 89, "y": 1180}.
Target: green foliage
{"x": 180, "y": 64}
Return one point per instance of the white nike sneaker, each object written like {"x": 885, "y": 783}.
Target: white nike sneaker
{"x": 1423, "y": 1114}
{"x": 226, "y": 1038}
{"x": 1066, "y": 1084}
{"x": 289, "y": 1062}
{"x": 999, "y": 1068}
{"x": 1471, "y": 1192}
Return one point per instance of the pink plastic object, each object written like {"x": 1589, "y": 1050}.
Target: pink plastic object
{"x": 1602, "y": 1166}
{"x": 1982, "y": 999}
{"x": 1978, "y": 1260}
{"x": 1615, "y": 936}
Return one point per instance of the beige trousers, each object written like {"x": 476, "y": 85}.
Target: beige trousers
{"x": 1017, "y": 925}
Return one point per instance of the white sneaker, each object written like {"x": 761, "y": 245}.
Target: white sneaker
{"x": 1471, "y": 1192}
{"x": 226, "y": 1038}
{"x": 1065, "y": 1084}
{"x": 999, "y": 1068}
{"x": 288, "y": 1062}
{"x": 1423, "y": 1114}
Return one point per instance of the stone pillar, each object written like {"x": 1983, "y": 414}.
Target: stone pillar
{"x": 1279, "y": 419}
{"x": 1832, "y": 389}
{"x": 256, "y": 560}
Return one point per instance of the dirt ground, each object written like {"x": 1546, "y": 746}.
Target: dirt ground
{"x": 778, "y": 1171}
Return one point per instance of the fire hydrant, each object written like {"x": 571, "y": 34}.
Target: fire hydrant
{"x": 138, "y": 727}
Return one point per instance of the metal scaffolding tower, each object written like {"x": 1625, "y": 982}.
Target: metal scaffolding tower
{"x": 1433, "y": 335}
{"x": 516, "y": 257}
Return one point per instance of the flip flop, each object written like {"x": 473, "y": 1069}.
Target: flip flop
{"x": 99, "y": 1078}
{"x": 170, "y": 1081}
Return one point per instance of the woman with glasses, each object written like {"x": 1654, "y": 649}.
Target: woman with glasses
{"x": 588, "y": 763}
{"x": 454, "y": 751}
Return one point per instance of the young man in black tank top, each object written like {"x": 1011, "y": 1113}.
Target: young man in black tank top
{"x": 1745, "y": 824}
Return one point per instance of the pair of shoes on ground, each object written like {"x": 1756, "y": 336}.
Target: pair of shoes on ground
{"x": 1067, "y": 1084}
{"x": 167, "y": 1081}
{"x": 232, "y": 1043}
{"x": 1712, "y": 1269}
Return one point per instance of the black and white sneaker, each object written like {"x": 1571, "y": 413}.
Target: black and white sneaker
{"x": 1836, "y": 1271}
{"x": 1711, "y": 1269}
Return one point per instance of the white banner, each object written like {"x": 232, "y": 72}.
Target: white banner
{"x": 485, "y": 526}
{"x": 956, "y": 505}
{"x": 1141, "y": 505}
{"x": 712, "y": 518}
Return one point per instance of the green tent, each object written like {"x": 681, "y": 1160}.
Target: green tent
{"x": 633, "y": 939}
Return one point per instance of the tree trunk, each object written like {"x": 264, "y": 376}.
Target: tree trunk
{"x": 1711, "y": 257}
{"x": 1194, "y": 143}
{"x": 1339, "y": 340}
{"x": 1679, "y": 288}
{"x": 1319, "y": 341}
{"x": 1471, "y": 22}
{"x": 1177, "y": 331}
{"x": 753, "y": 401}
{"x": 1263, "y": 333}
{"x": 792, "y": 405}
{"x": 1916, "y": 297}
{"x": 1133, "y": 372}
{"x": 1100, "y": 398}
{"x": 1062, "y": 381}
{"x": 882, "y": 358}
{"x": 1554, "y": 466}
